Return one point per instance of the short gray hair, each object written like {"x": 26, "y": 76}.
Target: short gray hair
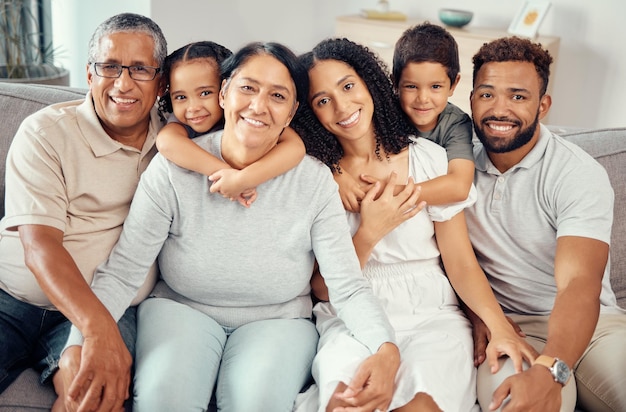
{"x": 129, "y": 22}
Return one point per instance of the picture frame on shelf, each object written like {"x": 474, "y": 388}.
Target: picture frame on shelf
{"x": 529, "y": 17}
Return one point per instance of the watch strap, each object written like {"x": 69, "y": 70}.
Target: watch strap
{"x": 558, "y": 369}
{"x": 545, "y": 360}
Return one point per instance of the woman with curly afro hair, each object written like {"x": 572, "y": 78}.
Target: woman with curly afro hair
{"x": 353, "y": 123}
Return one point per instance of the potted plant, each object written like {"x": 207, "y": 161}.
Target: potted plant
{"x": 25, "y": 55}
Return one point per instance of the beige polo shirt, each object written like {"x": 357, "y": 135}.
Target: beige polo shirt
{"x": 63, "y": 170}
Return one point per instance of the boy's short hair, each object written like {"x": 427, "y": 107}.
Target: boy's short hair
{"x": 426, "y": 42}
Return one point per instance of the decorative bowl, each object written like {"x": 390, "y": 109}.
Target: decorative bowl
{"x": 455, "y": 18}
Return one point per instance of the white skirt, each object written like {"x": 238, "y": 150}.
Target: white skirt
{"x": 434, "y": 338}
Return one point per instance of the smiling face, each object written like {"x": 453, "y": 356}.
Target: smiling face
{"x": 194, "y": 89}
{"x": 341, "y": 100}
{"x": 424, "y": 89}
{"x": 259, "y": 101}
{"x": 507, "y": 105}
{"x": 123, "y": 105}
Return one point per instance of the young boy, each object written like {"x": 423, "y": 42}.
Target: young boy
{"x": 425, "y": 74}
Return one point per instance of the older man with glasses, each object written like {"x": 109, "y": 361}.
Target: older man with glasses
{"x": 72, "y": 171}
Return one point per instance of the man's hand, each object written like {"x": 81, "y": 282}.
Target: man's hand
{"x": 373, "y": 384}
{"x": 533, "y": 390}
{"x": 99, "y": 373}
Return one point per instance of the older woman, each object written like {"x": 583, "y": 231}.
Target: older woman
{"x": 233, "y": 305}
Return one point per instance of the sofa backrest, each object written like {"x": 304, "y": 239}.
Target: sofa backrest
{"x": 608, "y": 146}
{"x": 18, "y": 100}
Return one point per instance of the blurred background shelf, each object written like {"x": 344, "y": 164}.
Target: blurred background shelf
{"x": 380, "y": 36}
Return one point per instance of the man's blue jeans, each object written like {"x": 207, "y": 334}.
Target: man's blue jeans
{"x": 34, "y": 337}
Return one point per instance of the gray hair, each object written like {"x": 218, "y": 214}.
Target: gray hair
{"x": 129, "y": 22}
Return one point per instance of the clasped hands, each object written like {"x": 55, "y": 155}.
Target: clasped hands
{"x": 367, "y": 193}
{"x": 94, "y": 377}
{"x": 230, "y": 184}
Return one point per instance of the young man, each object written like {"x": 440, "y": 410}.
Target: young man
{"x": 72, "y": 171}
{"x": 541, "y": 230}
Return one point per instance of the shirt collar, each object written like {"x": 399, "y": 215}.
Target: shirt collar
{"x": 97, "y": 138}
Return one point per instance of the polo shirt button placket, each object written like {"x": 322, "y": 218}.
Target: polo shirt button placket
{"x": 497, "y": 193}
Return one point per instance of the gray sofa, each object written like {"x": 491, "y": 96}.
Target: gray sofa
{"x": 19, "y": 100}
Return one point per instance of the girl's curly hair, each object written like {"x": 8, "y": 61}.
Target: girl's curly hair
{"x": 390, "y": 127}
{"x": 206, "y": 50}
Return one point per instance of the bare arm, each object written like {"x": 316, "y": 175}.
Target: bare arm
{"x": 578, "y": 269}
{"x": 173, "y": 143}
{"x": 451, "y": 187}
{"x": 286, "y": 155}
{"x": 472, "y": 286}
{"x": 104, "y": 374}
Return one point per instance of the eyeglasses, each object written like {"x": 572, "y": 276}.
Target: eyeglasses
{"x": 136, "y": 72}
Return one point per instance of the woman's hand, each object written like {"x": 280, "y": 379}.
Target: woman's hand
{"x": 482, "y": 338}
{"x": 506, "y": 341}
{"x": 373, "y": 384}
{"x": 380, "y": 214}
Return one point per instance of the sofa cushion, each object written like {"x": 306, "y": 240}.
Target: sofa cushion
{"x": 27, "y": 394}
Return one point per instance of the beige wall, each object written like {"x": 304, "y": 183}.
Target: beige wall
{"x": 590, "y": 77}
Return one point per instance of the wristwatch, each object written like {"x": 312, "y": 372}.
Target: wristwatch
{"x": 559, "y": 369}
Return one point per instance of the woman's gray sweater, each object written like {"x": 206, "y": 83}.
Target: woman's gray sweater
{"x": 240, "y": 264}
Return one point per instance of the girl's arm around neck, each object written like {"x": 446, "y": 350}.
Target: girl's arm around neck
{"x": 241, "y": 184}
{"x": 286, "y": 155}
{"x": 174, "y": 144}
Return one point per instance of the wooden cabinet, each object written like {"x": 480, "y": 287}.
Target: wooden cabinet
{"x": 380, "y": 36}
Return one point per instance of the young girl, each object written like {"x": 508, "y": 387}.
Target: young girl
{"x": 192, "y": 106}
{"x": 360, "y": 130}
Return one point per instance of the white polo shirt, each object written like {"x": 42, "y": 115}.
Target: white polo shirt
{"x": 556, "y": 190}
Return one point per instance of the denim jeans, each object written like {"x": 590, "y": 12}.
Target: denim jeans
{"x": 34, "y": 337}
{"x": 183, "y": 356}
